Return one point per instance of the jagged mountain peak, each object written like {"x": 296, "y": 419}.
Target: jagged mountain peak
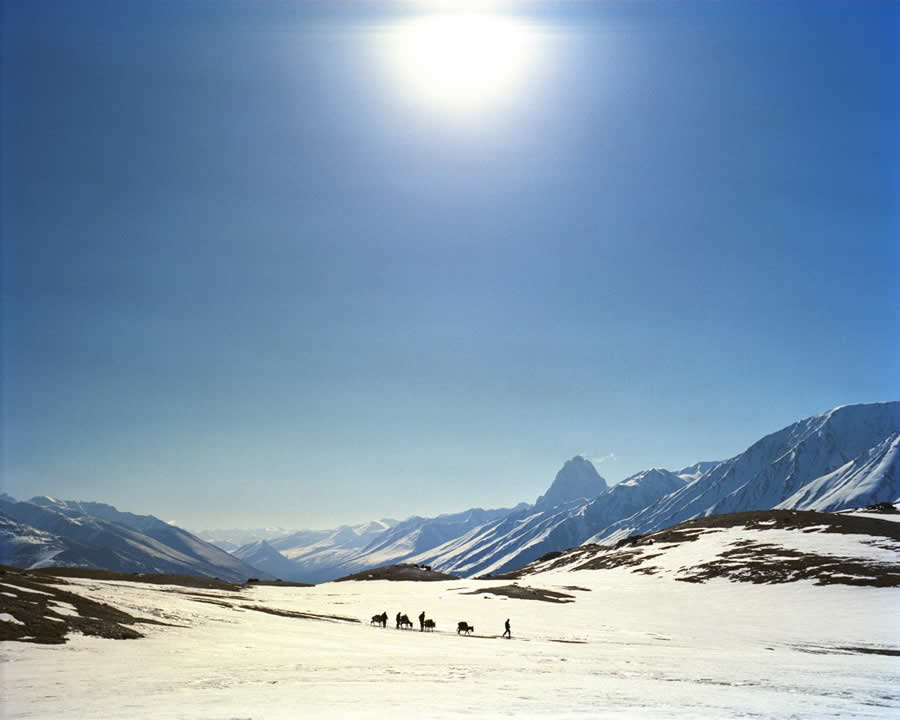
{"x": 578, "y": 478}
{"x": 648, "y": 476}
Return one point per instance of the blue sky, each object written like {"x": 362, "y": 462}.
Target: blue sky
{"x": 253, "y": 276}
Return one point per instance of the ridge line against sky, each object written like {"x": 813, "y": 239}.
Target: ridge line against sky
{"x": 304, "y": 264}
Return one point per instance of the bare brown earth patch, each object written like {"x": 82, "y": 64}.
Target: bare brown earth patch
{"x": 44, "y": 612}
{"x": 205, "y": 595}
{"x": 300, "y": 615}
{"x": 872, "y": 651}
{"x": 847, "y": 650}
{"x": 47, "y": 614}
{"x": 522, "y": 592}
{"x": 764, "y": 563}
{"x": 204, "y": 583}
{"x": 399, "y": 572}
{"x": 278, "y": 583}
{"x": 750, "y": 560}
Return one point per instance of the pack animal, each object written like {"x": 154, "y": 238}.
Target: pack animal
{"x": 463, "y": 627}
{"x": 405, "y": 622}
{"x": 379, "y": 620}
{"x": 429, "y": 624}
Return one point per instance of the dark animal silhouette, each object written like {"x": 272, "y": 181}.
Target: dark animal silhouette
{"x": 405, "y": 622}
{"x": 428, "y": 624}
{"x": 463, "y": 627}
{"x": 379, "y": 620}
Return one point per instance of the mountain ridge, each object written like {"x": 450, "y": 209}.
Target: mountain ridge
{"x": 842, "y": 458}
{"x": 61, "y": 533}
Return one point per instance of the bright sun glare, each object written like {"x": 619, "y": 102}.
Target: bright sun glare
{"x": 462, "y": 62}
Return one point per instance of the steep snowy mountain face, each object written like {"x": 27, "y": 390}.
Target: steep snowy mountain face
{"x": 578, "y": 479}
{"x": 262, "y": 555}
{"x": 23, "y": 546}
{"x": 632, "y": 495}
{"x": 47, "y": 531}
{"x": 526, "y": 535}
{"x": 72, "y": 509}
{"x": 319, "y": 555}
{"x": 868, "y": 479}
{"x": 844, "y": 458}
{"x": 327, "y": 555}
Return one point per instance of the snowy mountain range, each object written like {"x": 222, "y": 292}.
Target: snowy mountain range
{"x": 230, "y": 539}
{"x": 841, "y": 459}
{"x": 46, "y": 532}
{"x": 844, "y": 458}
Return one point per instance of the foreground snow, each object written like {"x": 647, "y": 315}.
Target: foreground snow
{"x": 628, "y": 646}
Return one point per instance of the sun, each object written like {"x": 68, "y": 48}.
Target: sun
{"x": 462, "y": 62}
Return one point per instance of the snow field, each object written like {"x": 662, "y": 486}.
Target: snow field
{"x": 630, "y": 646}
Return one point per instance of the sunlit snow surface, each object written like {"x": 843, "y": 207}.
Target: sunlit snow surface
{"x": 629, "y": 646}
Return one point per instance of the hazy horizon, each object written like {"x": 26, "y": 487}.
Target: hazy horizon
{"x": 312, "y": 264}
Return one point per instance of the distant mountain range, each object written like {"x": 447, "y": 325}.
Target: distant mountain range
{"x": 45, "y": 532}
{"x": 844, "y": 458}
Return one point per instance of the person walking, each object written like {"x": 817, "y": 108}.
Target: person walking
{"x": 507, "y": 633}
{"x": 422, "y": 621}
{"x": 398, "y": 620}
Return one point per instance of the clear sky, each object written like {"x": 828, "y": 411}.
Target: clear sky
{"x": 298, "y": 263}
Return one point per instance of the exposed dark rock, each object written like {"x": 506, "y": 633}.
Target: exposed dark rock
{"x": 194, "y": 581}
{"x": 399, "y": 572}
{"x": 749, "y": 560}
{"x": 522, "y": 592}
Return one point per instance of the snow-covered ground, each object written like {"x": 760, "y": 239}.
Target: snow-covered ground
{"x": 630, "y": 645}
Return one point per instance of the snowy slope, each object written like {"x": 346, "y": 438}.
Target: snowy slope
{"x": 696, "y": 471}
{"x": 24, "y": 546}
{"x": 789, "y": 464}
{"x": 764, "y": 546}
{"x": 625, "y": 645}
{"x": 327, "y": 559}
{"x": 509, "y": 541}
{"x": 75, "y": 509}
{"x": 868, "y": 479}
{"x": 632, "y": 495}
{"x": 262, "y": 555}
{"x": 418, "y": 535}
